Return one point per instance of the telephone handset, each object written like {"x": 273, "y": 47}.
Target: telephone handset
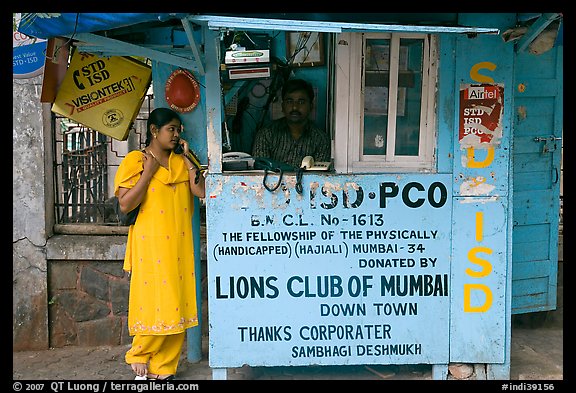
{"x": 179, "y": 149}
{"x": 272, "y": 165}
{"x": 309, "y": 164}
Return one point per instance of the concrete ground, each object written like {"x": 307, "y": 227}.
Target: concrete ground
{"x": 536, "y": 354}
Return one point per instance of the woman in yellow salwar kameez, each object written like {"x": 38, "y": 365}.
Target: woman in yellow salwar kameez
{"x": 160, "y": 247}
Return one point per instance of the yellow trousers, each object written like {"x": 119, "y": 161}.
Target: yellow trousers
{"x": 161, "y": 353}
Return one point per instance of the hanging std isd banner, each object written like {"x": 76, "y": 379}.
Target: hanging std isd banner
{"x": 103, "y": 93}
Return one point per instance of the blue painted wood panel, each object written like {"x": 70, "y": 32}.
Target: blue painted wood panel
{"x": 481, "y": 244}
{"x": 534, "y": 251}
{"x": 534, "y": 181}
{"x": 535, "y": 207}
{"x": 355, "y": 270}
{"x": 523, "y": 271}
{"x": 480, "y": 277}
{"x": 536, "y": 170}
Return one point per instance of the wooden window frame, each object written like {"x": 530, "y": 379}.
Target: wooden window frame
{"x": 350, "y": 107}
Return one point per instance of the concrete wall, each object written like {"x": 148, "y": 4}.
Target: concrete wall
{"x": 29, "y": 267}
{"x": 87, "y": 290}
{"x": 67, "y": 290}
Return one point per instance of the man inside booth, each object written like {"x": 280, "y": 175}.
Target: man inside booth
{"x": 291, "y": 138}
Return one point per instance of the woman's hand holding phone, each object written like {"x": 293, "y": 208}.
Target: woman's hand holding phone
{"x": 182, "y": 146}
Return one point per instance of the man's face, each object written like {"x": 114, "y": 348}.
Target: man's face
{"x": 296, "y": 106}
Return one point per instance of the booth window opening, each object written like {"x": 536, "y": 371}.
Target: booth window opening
{"x": 252, "y": 82}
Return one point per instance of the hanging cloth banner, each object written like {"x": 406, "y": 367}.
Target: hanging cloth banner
{"x": 103, "y": 93}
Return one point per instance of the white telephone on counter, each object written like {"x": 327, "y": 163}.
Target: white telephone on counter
{"x": 237, "y": 161}
{"x": 309, "y": 164}
{"x": 231, "y": 155}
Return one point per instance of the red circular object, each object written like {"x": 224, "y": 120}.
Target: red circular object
{"x": 182, "y": 91}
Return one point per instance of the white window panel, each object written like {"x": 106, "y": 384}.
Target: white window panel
{"x": 385, "y": 95}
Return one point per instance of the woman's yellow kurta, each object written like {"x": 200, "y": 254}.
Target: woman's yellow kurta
{"x": 160, "y": 250}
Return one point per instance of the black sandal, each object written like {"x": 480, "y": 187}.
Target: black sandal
{"x": 168, "y": 378}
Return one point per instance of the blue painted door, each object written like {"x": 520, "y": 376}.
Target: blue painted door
{"x": 536, "y": 154}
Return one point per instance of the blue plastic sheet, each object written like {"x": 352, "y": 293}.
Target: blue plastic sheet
{"x": 48, "y": 25}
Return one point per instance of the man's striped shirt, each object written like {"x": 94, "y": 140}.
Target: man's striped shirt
{"x": 275, "y": 141}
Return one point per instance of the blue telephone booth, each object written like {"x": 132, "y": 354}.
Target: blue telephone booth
{"x": 416, "y": 247}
